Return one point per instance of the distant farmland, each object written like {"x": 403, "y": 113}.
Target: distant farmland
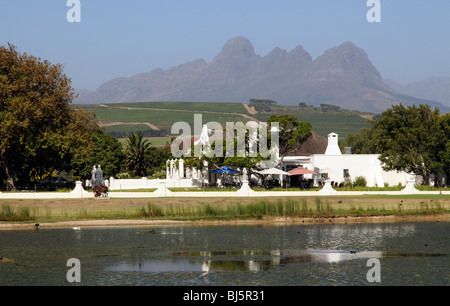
{"x": 155, "y": 119}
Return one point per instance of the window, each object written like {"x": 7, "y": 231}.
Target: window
{"x": 346, "y": 173}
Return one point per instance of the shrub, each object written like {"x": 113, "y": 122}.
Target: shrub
{"x": 360, "y": 181}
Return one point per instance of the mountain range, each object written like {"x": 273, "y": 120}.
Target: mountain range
{"x": 342, "y": 76}
{"x": 433, "y": 88}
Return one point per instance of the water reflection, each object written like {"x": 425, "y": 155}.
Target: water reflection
{"x": 251, "y": 261}
{"x": 334, "y": 237}
{"x": 411, "y": 254}
{"x": 327, "y": 256}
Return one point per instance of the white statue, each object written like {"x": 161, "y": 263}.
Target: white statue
{"x": 93, "y": 177}
{"x": 99, "y": 176}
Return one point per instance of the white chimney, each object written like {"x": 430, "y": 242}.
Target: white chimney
{"x": 333, "y": 146}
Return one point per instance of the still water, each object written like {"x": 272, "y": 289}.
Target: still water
{"x": 408, "y": 254}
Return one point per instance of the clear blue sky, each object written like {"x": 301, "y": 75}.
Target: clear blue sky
{"x": 119, "y": 38}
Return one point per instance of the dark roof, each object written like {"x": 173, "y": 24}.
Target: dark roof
{"x": 316, "y": 144}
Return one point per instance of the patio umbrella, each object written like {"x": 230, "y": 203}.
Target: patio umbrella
{"x": 224, "y": 170}
{"x": 273, "y": 171}
{"x": 300, "y": 170}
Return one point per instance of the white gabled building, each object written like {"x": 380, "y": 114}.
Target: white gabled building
{"x": 345, "y": 167}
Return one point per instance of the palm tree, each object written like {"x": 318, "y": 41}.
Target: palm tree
{"x": 136, "y": 151}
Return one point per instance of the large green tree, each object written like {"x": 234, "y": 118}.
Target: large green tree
{"x": 106, "y": 151}
{"x": 361, "y": 143}
{"x": 157, "y": 158}
{"x": 39, "y": 131}
{"x": 292, "y": 133}
{"x": 412, "y": 139}
{"x": 445, "y": 154}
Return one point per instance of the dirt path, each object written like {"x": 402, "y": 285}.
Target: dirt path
{"x": 150, "y": 125}
{"x": 268, "y": 221}
{"x": 368, "y": 117}
{"x": 250, "y": 109}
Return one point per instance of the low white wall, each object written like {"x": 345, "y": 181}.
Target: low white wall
{"x": 144, "y": 183}
{"x": 212, "y": 194}
{"x": 79, "y": 193}
{"x": 393, "y": 178}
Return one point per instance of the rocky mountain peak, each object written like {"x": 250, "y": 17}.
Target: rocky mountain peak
{"x": 237, "y": 48}
{"x": 346, "y": 59}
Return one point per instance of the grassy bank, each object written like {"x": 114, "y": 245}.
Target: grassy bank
{"x": 220, "y": 208}
{"x": 288, "y": 208}
{"x": 22, "y": 213}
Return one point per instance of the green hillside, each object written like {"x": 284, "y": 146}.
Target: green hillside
{"x": 187, "y": 106}
{"x": 155, "y": 119}
{"x": 324, "y": 122}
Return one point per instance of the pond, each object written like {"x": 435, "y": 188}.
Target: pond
{"x": 404, "y": 253}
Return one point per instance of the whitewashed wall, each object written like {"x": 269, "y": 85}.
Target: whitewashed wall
{"x": 366, "y": 165}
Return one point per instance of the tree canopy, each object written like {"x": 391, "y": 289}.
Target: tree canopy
{"x": 39, "y": 131}
{"x": 41, "y": 134}
{"x": 293, "y": 133}
{"x": 414, "y": 139}
{"x": 361, "y": 143}
{"x": 106, "y": 151}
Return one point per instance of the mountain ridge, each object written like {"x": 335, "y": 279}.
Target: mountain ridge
{"x": 432, "y": 88}
{"x": 343, "y": 76}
